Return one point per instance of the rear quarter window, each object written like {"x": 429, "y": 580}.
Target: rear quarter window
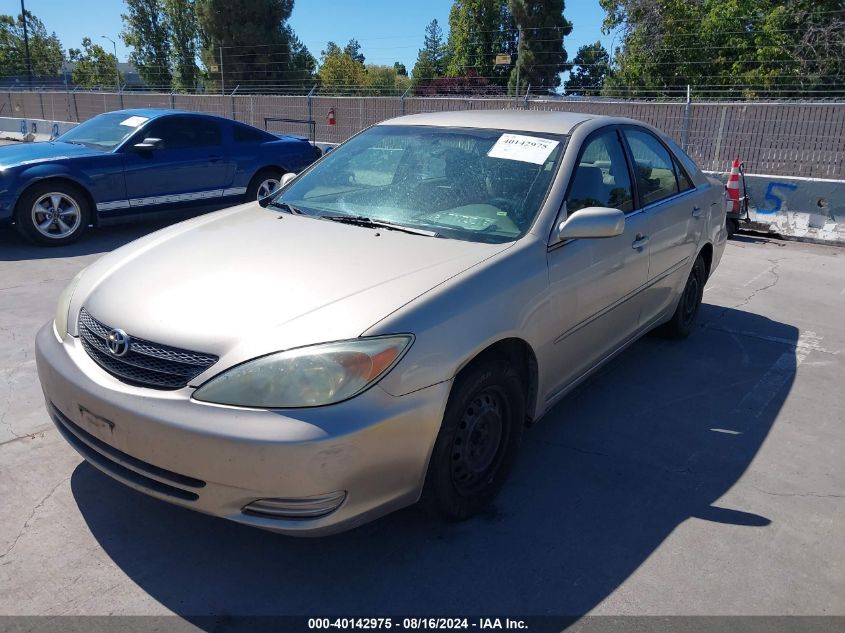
{"x": 244, "y": 134}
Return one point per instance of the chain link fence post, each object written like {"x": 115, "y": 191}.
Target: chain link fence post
{"x": 309, "y": 105}
{"x": 685, "y": 124}
{"x": 402, "y": 101}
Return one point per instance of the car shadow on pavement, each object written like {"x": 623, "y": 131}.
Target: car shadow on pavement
{"x": 13, "y": 247}
{"x": 653, "y": 440}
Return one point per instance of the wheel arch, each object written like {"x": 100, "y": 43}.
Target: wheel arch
{"x": 519, "y": 353}
{"x": 706, "y": 253}
{"x": 271, "y": 167}
{"x": 65, "y": 179}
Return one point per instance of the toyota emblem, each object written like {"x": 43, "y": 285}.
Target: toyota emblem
{"x": 118, "y": 342}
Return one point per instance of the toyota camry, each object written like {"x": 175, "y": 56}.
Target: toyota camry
{"x": 386, "y": 326}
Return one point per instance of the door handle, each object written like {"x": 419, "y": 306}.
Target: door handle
{"x": 696, "y": 211}
{"x": 640, "y": 241}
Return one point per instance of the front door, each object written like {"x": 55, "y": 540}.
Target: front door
{"x": 189, "y": 168}
{"x": 595, "y": 284}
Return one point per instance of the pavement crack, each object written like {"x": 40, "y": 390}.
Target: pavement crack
{"x": 31, "y": 516}
{"x": 774, "y": 271}
{"x": 798, "y": 494}
{"x": 775, "y": 262}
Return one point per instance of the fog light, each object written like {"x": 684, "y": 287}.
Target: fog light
{"x": 300, "y": 508}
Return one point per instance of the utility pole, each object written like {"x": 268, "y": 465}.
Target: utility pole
{"x": 222, "y": 79}
{"x": 116, "y": 67}
{"x": 516, "y": 91}
{"x": 26, "y": 46}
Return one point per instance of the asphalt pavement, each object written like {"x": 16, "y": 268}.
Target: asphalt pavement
{"x": 697, "y": 477}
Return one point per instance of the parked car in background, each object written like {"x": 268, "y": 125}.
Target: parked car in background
{"x": 145, "y": 162}
{"x": 406, "y": 306}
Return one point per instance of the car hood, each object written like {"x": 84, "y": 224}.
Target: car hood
{"x": 29, "y": 153}
{"x": 248, "y": 281}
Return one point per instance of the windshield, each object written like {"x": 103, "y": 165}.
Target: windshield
{"x": 105, "y": 131}
{"x": 479, "y": 185}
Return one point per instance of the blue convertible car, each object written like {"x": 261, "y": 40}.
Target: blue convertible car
{"x": 140, "y": 162}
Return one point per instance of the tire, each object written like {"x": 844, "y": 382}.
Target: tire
{"x": 732, "y": 226}
{"x": 260, "y": 186}
{"x": 683, "y": 320}
{"x": 53, "y": 213}
{"x": 478, "y": 440}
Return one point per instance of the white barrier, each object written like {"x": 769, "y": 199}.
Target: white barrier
{"x": 32, "y": 129}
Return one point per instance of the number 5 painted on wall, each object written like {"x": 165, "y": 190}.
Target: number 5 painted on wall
{"x": 774, "y": 198}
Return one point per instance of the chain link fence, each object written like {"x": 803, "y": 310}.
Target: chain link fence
{"x": 804, "y": 139}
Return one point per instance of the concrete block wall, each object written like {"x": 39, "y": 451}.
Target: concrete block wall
{"x": 811, "y": 209}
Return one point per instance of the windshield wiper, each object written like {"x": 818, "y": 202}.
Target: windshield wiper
{"x": 360, "y": 220}
{"x": 284, "y": 206}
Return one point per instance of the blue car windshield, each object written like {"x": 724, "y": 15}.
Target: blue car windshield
{"x": 105, "y": 131}
{"x": 480, "y": 185}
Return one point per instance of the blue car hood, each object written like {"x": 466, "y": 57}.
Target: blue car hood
{"x": 28, "y": 153}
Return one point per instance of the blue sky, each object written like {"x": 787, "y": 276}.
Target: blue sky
{"x": 388, "y": 30}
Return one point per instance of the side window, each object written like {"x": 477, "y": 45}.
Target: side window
{"x": 244, "y": 134}
{"x": 684, "y": 183}
{"x": 601, "y": 178}
{"x": 185, "y": 132}
{"x": 653, "y": 165}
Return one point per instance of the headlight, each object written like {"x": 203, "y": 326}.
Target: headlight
{"x": 63, "y": 306}
{"x": 306, "y": 377}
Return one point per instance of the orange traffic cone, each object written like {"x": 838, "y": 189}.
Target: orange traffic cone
{"x": 733, "y": 187}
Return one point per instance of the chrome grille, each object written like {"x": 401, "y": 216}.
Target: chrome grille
{"x": 146, "y": 363}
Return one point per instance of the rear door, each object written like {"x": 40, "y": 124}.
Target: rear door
{"x": 190, "y": 168}
{"x": 676, "y": 212}
{"x": 595, "y": 284}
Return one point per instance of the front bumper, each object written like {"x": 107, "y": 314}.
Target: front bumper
{"x": 217, "y": 459}
{"x": 7, "y": 207}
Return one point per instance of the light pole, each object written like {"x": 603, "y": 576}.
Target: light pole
{"x": 116, "y": 68}
{"x": 26, "y": 46}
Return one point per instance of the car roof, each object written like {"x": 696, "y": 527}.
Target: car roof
{"x": 517, "y": 120}
{"x": 154, "y": 113}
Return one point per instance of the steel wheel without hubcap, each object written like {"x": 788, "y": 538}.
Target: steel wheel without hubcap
{"x": 478, "y": 439}
{"x": 477, "y": 443}
{"x": 267, "y": 187}
{"x": 683, "y": 320}
{"x": 691, "y": 298}
{"x": 56, "y": 215}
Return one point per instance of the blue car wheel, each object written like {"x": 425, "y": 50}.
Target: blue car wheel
{"x": 53, "y": 213}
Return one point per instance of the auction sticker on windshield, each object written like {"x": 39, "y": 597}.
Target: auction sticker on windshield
{"x": 134, "y": 121}
{"x": 528, "y": 149}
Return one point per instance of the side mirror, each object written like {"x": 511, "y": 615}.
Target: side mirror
{"x": 149, "y": 144}
{"x": 286, "y": 178}
{"x": 592, "y": 222}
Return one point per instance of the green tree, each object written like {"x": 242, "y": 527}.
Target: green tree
{"x": 340, "y": 72}
{"x": 400, "y": 69}
{"x": 45, "y": 50}
{"x": 541, "y": 55}
{"x": 735, "y": 48}
{"x": 588, "y": 70}
{"x": 93, "y": 66}
{"x": 256, "y": 52}
{"x": 302, "y": 71}
{"x": 184, "y": 43}
{"x": 384, "y": 80}
{"x": 478, "y": 30}
{"x": 353, "y": 49}
{"x": 431, "y": 59}
{"x": 146, "y": 30}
